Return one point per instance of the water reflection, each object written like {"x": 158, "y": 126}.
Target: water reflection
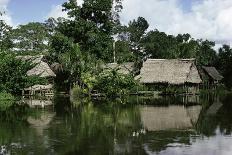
{"x": 42, "y": 103}
{"x": 162, "y": 126}
{"x": 169, "y": 118}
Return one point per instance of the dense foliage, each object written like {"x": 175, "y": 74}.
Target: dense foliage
{"x": 13, "y": 77}
{"x": 112, "y": 83}
{"x": 224, "y": 64}
{"x": 5, "y": 41}
{"x": 30, "y": 37}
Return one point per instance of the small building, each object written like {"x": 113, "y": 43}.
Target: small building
{"x": 124, "y": 68}
{"x": 171, "y": 72}
{"x": 211, "y": 77}
{"x": 41, "y": 69}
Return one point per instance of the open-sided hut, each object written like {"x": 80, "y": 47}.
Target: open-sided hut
{"x": 211, "y": 76}
{"x": 170, "y": 72}
{"x": 124, "y": 68}
{"x": 41, "y": 69}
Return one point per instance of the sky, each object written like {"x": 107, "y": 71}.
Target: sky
{"x": 206, "y": 19}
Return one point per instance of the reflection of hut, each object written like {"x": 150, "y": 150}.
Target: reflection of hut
{"x": 173, "y": 72}
{"x": 167, "y": 118}
{"x": 42, "y": 70}
{"x": 211, "y": 76}
{"x": 41, "y": 121}
{"x": 124, "y": 68}
{"x": 38, "y": 103}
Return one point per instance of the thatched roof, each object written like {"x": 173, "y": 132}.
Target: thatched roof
{"x": 213, "y": 73}
{"x": 172, "y": 71}
{"x": 169, "y": 118}
{"x": 41, "y": 69}
{"x": 124, "y": 68}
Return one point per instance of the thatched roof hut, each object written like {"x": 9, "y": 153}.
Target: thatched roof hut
{"x": 41, "y": 68}
{"x": 171, "y": 71}
{"x": 213, "y": 73}
{"x": 124, "y": 68}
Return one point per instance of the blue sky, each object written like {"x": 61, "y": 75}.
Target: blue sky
{"x": 207, "y": 19}
{"x": 23, "y": 11}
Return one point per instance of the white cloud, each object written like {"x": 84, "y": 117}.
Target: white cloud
{"x": 56, "y": 11}
{"x": 6, "y": 16}
{"x": 207, "y": 19}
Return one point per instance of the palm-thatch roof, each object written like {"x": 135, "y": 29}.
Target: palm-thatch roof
{"x": 41, "y": 68}
{"x": 213, "y": 73}
{"x": 171, "y": 71}
{"x": 124, "y": 68}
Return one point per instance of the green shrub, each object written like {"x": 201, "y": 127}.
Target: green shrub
{"x": 6, "y": 101}
{"x": 112, "y": 83}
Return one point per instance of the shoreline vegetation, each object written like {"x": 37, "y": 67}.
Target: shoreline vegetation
{"x": 77, "y": 48}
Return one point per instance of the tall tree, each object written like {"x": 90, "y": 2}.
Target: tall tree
{"x": 137, "y": 29}
{"x": 186, "y": 46}
{"x": 5, "y": 41}
{"x": 206, "y": 55}
{"x": 224, "y": 64}
{"x": 91, "y": 26}
{"x": 159, "y": 45}
{"x": 31, "y": 37}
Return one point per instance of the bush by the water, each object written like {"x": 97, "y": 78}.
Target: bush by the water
{"x": 6, "y": 101}
{"x": 6, "y": 96}
{"x": 112, "y": 83}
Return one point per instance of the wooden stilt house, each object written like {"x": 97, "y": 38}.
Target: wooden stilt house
{"x": 41, "y": 69}
{"x": 166, "y": 73}
{"x": 211, "y": 77}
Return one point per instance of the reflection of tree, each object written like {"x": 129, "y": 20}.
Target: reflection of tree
{"x": 222, "y": 118}
{"x": 97, "y": 129}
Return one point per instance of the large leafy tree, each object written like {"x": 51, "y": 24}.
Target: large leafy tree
{"x": 137, "y": 29}
{"x": 186, "y": 46}
{"x": 206, "y": 55}
{"x": 5, "y": 41}
{"x": 91, "y": 26}
{"x": 31, "y": 37}
{"x": 224, "y": 64}
{"x": 159, "y": 45}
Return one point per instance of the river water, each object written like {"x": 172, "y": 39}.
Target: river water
{"x": 136, "y": 126}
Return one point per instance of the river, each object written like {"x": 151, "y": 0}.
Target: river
{"x": 136, "y": 126}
